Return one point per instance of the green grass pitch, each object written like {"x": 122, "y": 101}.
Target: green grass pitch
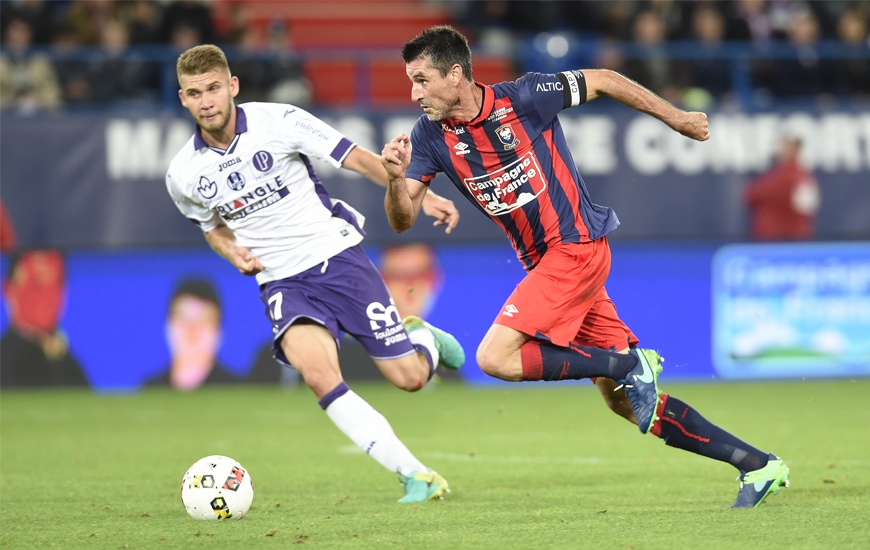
{"x": 530, "y": 466}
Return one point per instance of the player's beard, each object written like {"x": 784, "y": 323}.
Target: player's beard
{"x": 435, "y": 114}
{"x": 218, "y": 123}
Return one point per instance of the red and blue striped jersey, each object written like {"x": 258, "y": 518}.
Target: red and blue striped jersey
{"x": 512, "y": 162}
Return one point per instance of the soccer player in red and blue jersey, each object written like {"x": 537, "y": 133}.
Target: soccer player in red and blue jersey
{"x": 502, "y": 146}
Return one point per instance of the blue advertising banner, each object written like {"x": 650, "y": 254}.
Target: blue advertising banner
{"x": 776, "y": 311}
{"x": 792, "y": 310}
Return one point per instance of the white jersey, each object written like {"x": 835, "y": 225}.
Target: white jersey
{"x": 264, "y": 188}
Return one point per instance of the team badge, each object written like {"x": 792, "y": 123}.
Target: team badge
{"x": 206, "y": 188}
{"x": 507, "y": 136}
{"x": 236, "y": 181}
{"x": 262, "y": 161}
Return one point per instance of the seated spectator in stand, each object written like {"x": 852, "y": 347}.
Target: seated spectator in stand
{"x": 72, "y": 70}
{"x": 852, "y": 75}
{"x": 39, "y": 14}
{"x": 193, "y": 333}
{"x": 34, "y": 350}
{"x": 270, "y": 67}
{"x": 804, "y": 75}
{"x": 783, "y": 201}
{"x": 654, "y": 69}
{"x": 27, "y": 80}
{"x": 748, "y": 21}
{"x": 88, "y": 17}
{"x": 118, "y": 75}
{"x": 194, "y": 14}
{"x": 711, "y": 73}
{"x": 144, "y": 20}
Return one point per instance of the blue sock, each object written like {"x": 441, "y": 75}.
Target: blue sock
{"x": 543, "y": 361}
{"x": 683, "y": 427}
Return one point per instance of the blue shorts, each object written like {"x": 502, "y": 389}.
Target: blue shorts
{"x": 344, "y": 294}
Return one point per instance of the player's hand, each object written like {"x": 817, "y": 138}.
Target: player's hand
{"x": 245, "y": 262}
{"x": 443, "y": 210}
{"x": 396, "y": 156}
{"x": 694, "y": 125}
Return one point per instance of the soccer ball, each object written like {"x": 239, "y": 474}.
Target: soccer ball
{"x": 217, "y": 488}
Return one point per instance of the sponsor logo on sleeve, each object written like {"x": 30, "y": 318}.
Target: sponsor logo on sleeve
{"x": 549, "y": 87}
{"x": 509, "y": 187}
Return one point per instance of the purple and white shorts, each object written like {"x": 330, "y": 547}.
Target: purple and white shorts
{"x": 345, "y": 293}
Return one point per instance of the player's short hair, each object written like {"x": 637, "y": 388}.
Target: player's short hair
{"x": 444, "y": 46}
{"x": 198, "y": 288}
{"x": 200, "y": 60}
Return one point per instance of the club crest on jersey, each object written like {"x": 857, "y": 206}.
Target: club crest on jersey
{"x": 506, "y": 134}
{"x": 206, "y": 188}
{"x": 262, "y": 161}
{"x": 236, "y": 181}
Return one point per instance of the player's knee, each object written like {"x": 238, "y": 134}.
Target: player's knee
{"x": 410, "y": 382}
{"x": 493, "y": 363}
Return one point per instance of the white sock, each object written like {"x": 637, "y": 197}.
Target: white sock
{"x": 370, "y": 430}
{"x": 424, "y": 337}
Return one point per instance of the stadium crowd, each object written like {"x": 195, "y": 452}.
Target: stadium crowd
{"x": 93, "y": 52}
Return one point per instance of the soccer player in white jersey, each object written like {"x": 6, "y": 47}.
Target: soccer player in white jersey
{"x": 246, "y": 179}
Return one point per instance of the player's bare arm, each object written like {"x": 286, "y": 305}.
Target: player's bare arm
{"x": 601, "y": 82}
{"x": 223, "y": 241}
{"x": 368, "y": 165}
{"x": 404, "y": 196}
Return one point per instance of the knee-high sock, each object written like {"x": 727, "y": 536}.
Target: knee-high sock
{"x": 369, "y": 429}
{"x": 683, "y": 427}
{"x": 543, "y": 361}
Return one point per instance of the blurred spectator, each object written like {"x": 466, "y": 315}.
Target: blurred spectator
{"x": 184, "y": 37}
{"x": 144, "y": 20}
{"x": 673, "y": 14}
{"x": 34, "y": 350}
{"x": 783, "y": 201}
{"x": 116, "y": 73}
{"x": 8, "y": 239}
{"x": 191, "y": 14}
{"x": 71, "y": 68}
{"x": 805, "y": 74}
{"x": 711, "y": 73}
{"x": 87, "y": 19}
{"x": 37, "y": 13}
{"x": 27, "y": 80}
{"x": 853, "y": 74}
{"x": 655, "y": 69}
{"x": 270, "y": 68}
{"x": 749, "y": 21}
{"x": 193, "y": 333}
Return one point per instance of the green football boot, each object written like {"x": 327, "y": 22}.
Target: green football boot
{"x": 757, "y": 485}
{"x": 422, "y": 486}
{"x": 450, "y": 351}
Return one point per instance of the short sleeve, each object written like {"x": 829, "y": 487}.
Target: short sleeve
{"x": 545, "y": 95}
{"x": 423, "y": 166}
{"x": 307, "y": 134}
{"x": 205, "y": 218}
